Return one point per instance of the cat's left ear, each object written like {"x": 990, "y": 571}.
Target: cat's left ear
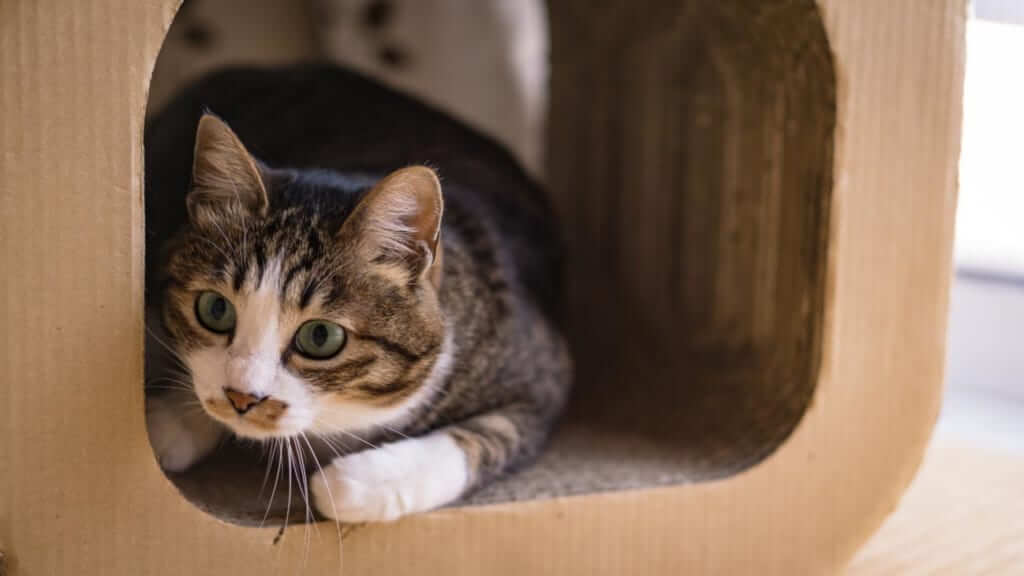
{"x": 224, "y": 175}
{"x": 399, "y": 223}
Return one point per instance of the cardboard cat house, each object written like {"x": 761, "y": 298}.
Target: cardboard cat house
{"x": 758, "y": 199}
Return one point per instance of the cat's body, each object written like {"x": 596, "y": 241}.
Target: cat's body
{"x": 450, "y": 360}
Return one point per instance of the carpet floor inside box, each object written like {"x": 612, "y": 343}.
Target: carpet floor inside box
{"x": 581, "y": 459}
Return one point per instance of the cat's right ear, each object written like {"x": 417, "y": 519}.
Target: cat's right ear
{"x": 399, "y": 223}
{"x": 226, "y": 179}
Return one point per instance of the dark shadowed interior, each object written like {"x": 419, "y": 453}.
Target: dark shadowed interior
{"x": 690, "y": 156}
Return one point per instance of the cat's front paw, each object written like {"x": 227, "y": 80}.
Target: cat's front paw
{"x": 386, "y": 483}
{"x": 179, "y": 438}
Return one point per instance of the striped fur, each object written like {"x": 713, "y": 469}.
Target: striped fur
{"x": 446, "y": 347}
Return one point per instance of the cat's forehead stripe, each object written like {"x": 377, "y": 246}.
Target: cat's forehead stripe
{"x": 241, "y": 271}
{"x": 261, "y": 263}
{"x": 307, "y": 294}
{"x": 303, "y": 265}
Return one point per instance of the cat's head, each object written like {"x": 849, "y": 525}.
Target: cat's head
{"x": 304, "y": 311}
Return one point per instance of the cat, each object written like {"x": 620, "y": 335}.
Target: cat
{"x": 348, "y": 262}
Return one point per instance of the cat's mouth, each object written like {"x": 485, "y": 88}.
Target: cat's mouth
{"x": 267, "y": 419}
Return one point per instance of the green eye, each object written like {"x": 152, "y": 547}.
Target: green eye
{"x": 319, "y": 339}
{"x": 214, "y": 312}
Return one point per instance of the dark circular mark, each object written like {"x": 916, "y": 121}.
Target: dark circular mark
{"x": 393, "y": 56}
{"x": 198, "y": 36}
{"x": 378, "y": 14}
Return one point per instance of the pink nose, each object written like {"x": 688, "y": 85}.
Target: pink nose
{"x": 241, "y": 401}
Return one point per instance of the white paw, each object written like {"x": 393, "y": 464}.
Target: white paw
{"x": 179, "y": 439}
{"x": 386, "y": 483}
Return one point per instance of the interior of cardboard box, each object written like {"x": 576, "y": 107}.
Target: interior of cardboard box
{"x": 690, "y": 157}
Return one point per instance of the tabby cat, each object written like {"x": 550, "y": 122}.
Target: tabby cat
{"x": 317, "y": 280}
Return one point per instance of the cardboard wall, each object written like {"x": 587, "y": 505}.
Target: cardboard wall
{"x": 80, "y": 492}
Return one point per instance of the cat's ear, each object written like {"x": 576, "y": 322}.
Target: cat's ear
{"x": 225, "y": 177}
{"x": 399, "y": 223}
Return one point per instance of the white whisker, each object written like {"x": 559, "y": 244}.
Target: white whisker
{"x": 333, "y": 428}
{"x": 327, "y": 485}
{"x": 299, "y": 474}
{"x": 176, "y": 388}
{"x": 330, "y": 444}
{"x": 288, "y": 505}
{"x": 270, "y": 462}
{"x": 185, "y": 383}
{"x": 174, "y": 353}
{"x": 393, "y": 431}
{"x": 175, "y": 371}
{"x": 277, "y": 477}
{"x": 300, "y": 451}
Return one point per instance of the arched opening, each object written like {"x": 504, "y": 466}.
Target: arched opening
{"x": 689, "y": 154}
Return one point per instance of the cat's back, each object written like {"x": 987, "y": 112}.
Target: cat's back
{"x": 321, "y": 116}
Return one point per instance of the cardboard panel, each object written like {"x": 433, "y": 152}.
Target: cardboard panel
{"x": 80, "y": 492}
{"x": 691, "y": 158}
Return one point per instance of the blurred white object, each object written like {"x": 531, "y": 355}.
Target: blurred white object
{"x": 999, "y": 10}
{"x": 484, "y": 61}
{"x": 986, "y": 337}
{"x": 986, "y": 325}
{"x": 211, "y": 34}
{"x": 990, "y": 217}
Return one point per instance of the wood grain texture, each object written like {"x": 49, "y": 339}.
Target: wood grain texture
{"x": 80, "y": 492}
{"x": 964, "y": 514}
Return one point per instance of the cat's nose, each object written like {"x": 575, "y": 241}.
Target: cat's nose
{"x": 242, "y": 401}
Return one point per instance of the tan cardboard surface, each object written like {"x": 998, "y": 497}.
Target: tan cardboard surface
{"x": 954, "y": 523}
{"x": 80, "y": 492}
